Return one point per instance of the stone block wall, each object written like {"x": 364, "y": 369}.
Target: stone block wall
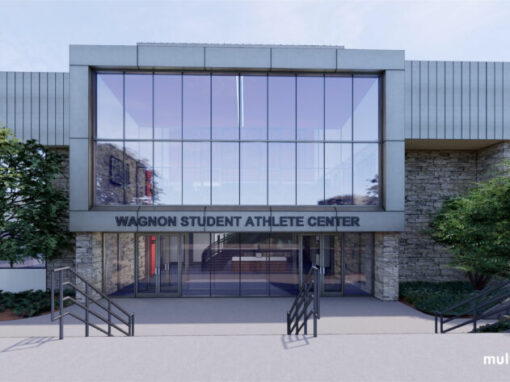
{"x": 431, "y": 178}
{"x": 386, "y": 265}
{"x": 89, "y": 259}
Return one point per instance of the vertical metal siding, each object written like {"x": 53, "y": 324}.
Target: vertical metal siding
{"x": 36, "y": 106}
{"x": 457, "y": 100}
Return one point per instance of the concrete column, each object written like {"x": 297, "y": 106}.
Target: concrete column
{"x": 89, "y": 260}
{"x": 386, "y": 266}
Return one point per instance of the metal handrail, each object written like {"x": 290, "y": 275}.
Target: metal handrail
{"x": 299, "y": 310}
{"x": 129, "y": 322}
{"x": 478, "y": 309}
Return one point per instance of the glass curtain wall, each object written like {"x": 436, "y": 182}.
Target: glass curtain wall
{"x": 237, "y": 139}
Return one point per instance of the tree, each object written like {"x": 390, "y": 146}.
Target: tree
{"x": 476, "y": 228}
{"x": 32, "y": 210}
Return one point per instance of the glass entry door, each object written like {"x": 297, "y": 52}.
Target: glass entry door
{"x": 326, "y": 251}
{"x": 158, "y": 265}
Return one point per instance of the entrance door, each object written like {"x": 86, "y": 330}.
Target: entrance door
{"x": 158, "y": 265}
{"x": 325, "y": 250}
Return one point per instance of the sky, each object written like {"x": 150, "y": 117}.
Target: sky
{"x": 35, "y": 35}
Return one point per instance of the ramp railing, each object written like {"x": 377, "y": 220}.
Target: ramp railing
{"x": 306, "y": 305}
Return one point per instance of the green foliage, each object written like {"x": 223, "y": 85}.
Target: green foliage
{"x": 32, "y": 209}
{"x": 30, "y": 303}
{"x": 502, "y": 325}
{"x": 430, "y": 297}
{"x": 476, "y": 228}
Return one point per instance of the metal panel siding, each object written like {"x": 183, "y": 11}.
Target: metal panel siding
{"x": 59, "y": 109}
{"x": 27, "y": 106}
{"x": 408, "y": 93}
{"x": 457, "y": 100}
{"x": 18, "y": 109}
{"x": 52, "y": 108}
{"x": 424, "y": 99}
{"x": 43, "y": 108}
{"x": 36, "y": 106}
{"x": 441, "y": 100}
{"x": 498, "y": 100}
{"x": 473, "y": 100}
{"x": 34, "y": 110}
{"x": 506, "y": 100}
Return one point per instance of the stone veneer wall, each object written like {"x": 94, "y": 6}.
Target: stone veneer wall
{"x": 89, "y": 259}
{"x": 431, "y": 178}
{"x": 386, "y": 265}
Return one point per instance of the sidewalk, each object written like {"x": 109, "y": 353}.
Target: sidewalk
{"x": 384, "y": 357}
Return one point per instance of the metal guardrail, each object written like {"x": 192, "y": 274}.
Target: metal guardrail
{"x": 122, "y": 316}
{"x": 299, "y": 311}
{"x": 482, "y": 305}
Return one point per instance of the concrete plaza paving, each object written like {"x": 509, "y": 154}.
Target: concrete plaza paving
{"x": 241, "y": 316}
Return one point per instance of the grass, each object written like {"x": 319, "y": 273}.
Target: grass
{"x": 430, "y": 297}
{"x": 29, "y": 303}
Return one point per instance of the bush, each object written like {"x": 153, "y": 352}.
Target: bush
{"x": 430, "y": 297}
{"x": 30, "y": 303}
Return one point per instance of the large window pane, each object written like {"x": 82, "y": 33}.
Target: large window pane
{"x": 167, "y": 106}
{"x": 338, "y": 108}
{"x": 110, "y": 95}
{"x": 196, "y": 173}
{"x": 222, "y": 258}
{"x": 358, "y": 264}
{"x": 197, "y": 106}
{"x": 282, "y": 107}
{"x": 225, "y": 107}
{"x": 254, "y": 264}
{"x": 253, "y": 173}
{"x": 111, "y": 175}
{"x": 167, "y": 173}
{"x": 146, "y": 261}
{"x": 338, "y": 173}
{"x": 138, "y": 166}
{"x": 366, "y": 173}
{"x": 310, "y": 173}
{"x": 310, "y": 108}
{"x": 225, "y": 173}
{"x": 138, "y": 112}
{"x": 283, "y": 265}
{"x": 196, "y": 275}
{"x": 366, "y": 108}
{"x": 282, "y": 173}
{"x": 253, "y": 94}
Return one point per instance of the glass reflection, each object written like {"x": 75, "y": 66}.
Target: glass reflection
{"x": 366, "y": 108}
{"x": 196, "y": 173}
{"x": 225, "y": 173}
{"x": 111, "y": 174}
{"x": 282, "y": 107}
{"x": 310, "y": 173}
{"x": 138, "y": 166}
{"x": 282, "y": 173}
{"x": 358, "y": 263}
{"x": 332, "y": 264}
{"x": 196, "y": 106}
{"x": 338, "y": 108}
{"x": 110, "y": 94}
{"x": 310, "y": 108}
{"x": 338, "y": 173}
{"x": 253, "y": 264}
{"x": 167, "y": 106}
{"x": 253, "y": 173}
{"x": 167, "y": 173}
{"x": 253, "y": 94}
{"x": 225, "y": 107}
{"x": 283, "y": 265}
{"x": 138, "y": 113}
{"x": 196, "y": 275}
{"x": 222, "y": 258}
{"x": 366, "y": 174}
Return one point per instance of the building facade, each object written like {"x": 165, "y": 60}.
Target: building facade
{"x": 225, "y": 170}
